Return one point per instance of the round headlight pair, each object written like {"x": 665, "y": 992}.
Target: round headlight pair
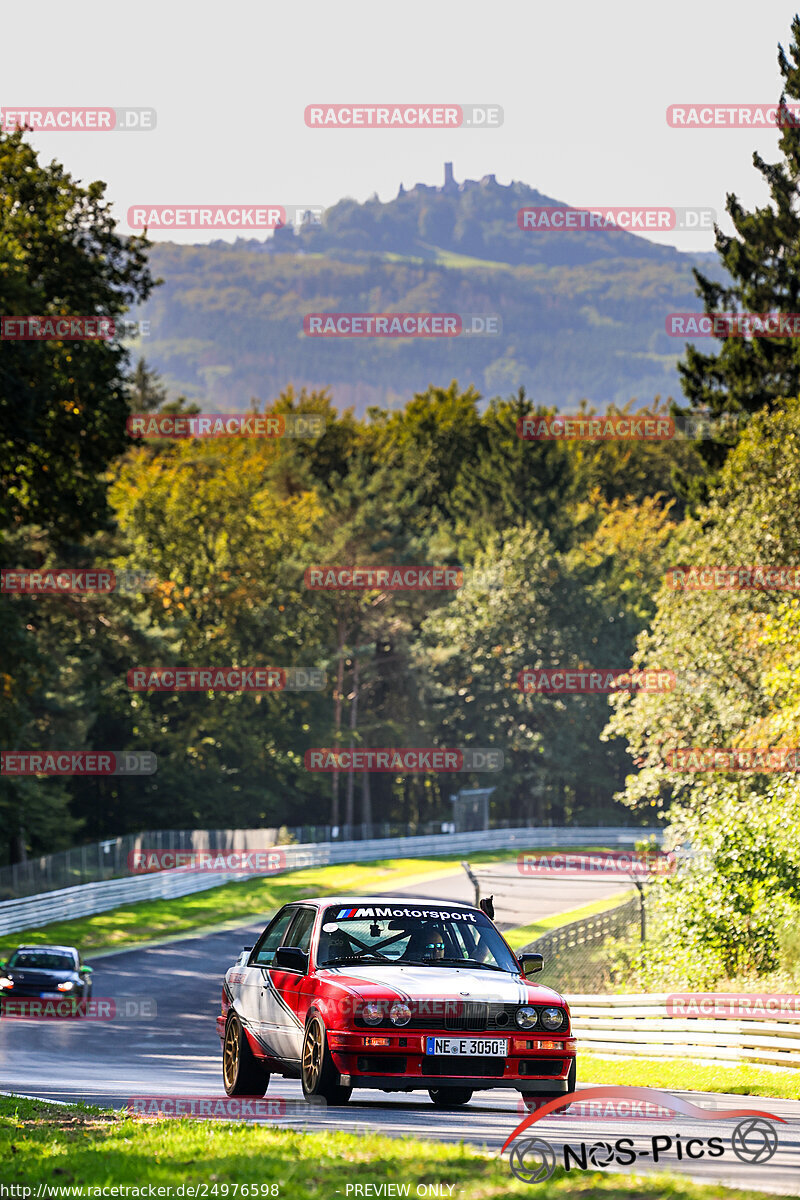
{"x": 552, "y": 1018}
{"x": 373, "y": 1012}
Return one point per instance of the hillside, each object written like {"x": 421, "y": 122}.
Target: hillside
{"x": 582, "y": 311}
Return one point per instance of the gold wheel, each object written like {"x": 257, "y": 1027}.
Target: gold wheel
{"x": 230, "y": 1054}
{"x": 313, "y": 1050}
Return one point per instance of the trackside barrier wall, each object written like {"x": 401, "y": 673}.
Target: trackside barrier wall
{"x": 30, "y": 912}
{"x": 638, "y": 1026}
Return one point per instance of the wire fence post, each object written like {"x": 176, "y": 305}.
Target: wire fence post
{"x": 474, "y": 881}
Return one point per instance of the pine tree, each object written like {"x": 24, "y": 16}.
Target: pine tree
{"x": 762, "y": 259}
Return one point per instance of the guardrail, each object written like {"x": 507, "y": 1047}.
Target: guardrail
{"x": 31, "y": 912}
{"x": 108, "y": 859}
{"x": 639, "y": 1026}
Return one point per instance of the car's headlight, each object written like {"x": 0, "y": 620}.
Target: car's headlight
{"x": 400, "y": 1013}
{"x": 66, "y": 987}
{"x": 553, "y": 1018}
{"x": 372, "y": 1012}
{"x": 526, "y": 1017}
{"x": 5, "y": 982}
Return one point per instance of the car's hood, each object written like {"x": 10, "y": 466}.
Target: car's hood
{"x": 40, "y": 978}
{"x": 438, "y": 983}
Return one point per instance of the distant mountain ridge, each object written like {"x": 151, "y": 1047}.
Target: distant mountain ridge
{"x": 583, "y": 311}
{"x": 475, "y": 218}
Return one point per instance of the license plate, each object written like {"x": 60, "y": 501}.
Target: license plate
{"x": 52, "y": 996}
{"x": 474, "y": 1046}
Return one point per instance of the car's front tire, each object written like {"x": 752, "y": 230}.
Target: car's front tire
{"x": 318, "y": 1073}
{"x": 242, "y": 1073}
{"x": 450, "y": 1097}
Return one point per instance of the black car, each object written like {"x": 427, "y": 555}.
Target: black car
{"x": 45, "y": 973}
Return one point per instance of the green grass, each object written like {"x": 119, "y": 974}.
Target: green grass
{"x": 681, "y": 1075}
{"x": 523, "y": 934}
{"x": 235, "y": 903}
{"x": 85, "y": 1148}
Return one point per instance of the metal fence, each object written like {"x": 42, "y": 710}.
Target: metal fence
{"x": 31, "y": 912}
{"x": 640, "y": 1026}
{"x": 108, "y": 859}
{"x": 574, "y": 954}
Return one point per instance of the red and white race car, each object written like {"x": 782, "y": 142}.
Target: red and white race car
{"x": 395, "y": 994}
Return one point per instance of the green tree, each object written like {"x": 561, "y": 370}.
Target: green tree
{"x": 762, "y": 260}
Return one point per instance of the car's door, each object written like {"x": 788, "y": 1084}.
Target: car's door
{"x": 289, "y": 986}
{"x": 261, "y": 1009}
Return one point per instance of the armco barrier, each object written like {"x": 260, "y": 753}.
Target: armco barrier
{"x": 30, "y": 912}
{"x": 639, "y": 1026}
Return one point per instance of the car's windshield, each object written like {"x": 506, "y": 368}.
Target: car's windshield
{"x": 431, "y": 935}
{"x": 41, "y": 960}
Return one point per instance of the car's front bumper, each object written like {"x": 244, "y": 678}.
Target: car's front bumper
{"x": 408, "y": 1083}
{"x": 532, "y": 1064}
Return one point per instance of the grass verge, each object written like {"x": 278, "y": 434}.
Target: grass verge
{"x": 150, "y": 920}
{"x": 88, "y": 1148}
{"x": 679, "y": 1075}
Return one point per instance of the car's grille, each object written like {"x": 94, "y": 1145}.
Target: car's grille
{"x": 462, "y": 1064}
{"x": 468, "y": 1016}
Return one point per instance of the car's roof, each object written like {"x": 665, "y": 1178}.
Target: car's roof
{"x": 59, "y": 949}
{"x": 415, "y": 902}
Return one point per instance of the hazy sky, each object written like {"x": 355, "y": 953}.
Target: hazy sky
{"x": 584, "y": 88}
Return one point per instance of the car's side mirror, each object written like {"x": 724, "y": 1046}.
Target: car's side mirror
{"x": 3, "y": 963}
{"x": 291, "y": 958}
{"x": 531, "y": 963}
{"x": 84, "y": 970}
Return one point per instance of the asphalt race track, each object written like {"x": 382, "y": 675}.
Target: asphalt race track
{"x": 176, "y": 1052}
